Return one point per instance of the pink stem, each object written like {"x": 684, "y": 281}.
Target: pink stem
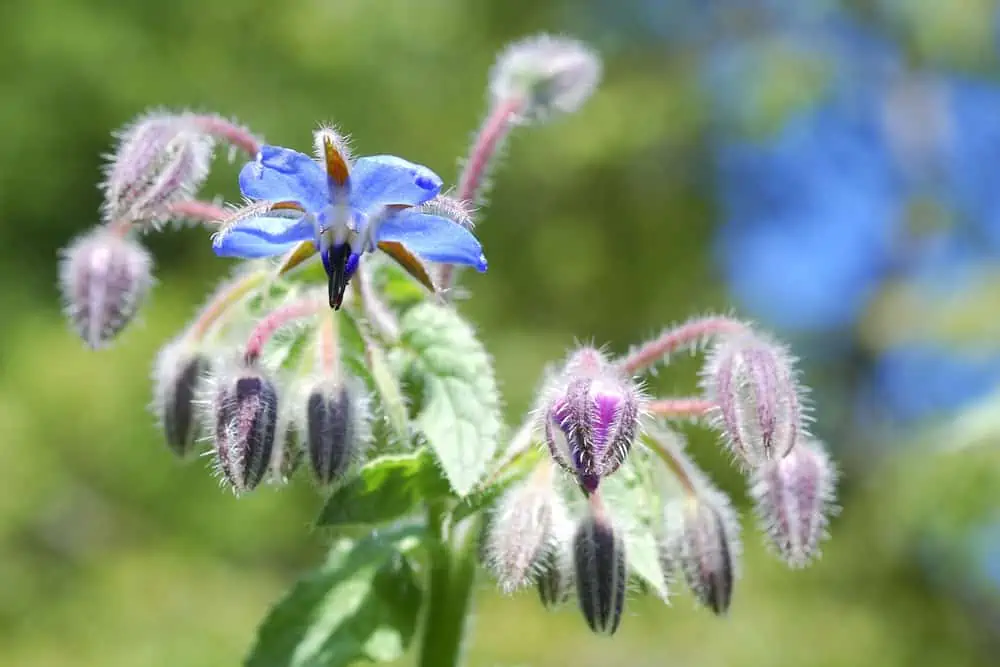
{"x": 691, "y": 406}
{"x": 491, "y": 135}
{"x": 202, "y": 211}
{"x": 679, "y": 337}
{"x": 275, "y": 321}
{"x": 230, "y": 132}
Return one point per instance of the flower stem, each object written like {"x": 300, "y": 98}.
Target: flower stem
{"x": 451, "y": 576}
{"x": 329, "y": 353}
{"x": 383, "y": 321}
{"x": 230, "y": 132}
{"x": 277, "y": 319}
{"x": 472, "y": 181}
{"x": 203, "y": 211}
{"x": 688, "y": 334}
{"x": 677, "y": 466}
{"x": 690, "y": 407}
{"x": 227, "y": 296}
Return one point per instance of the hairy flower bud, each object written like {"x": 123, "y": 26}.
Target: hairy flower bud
{"x": 753, "y": 384}
{"x": 287, "y": 455}
{"x": 548, "y": 74}
{"x": 601, "y": 573}
{"x": 590, "y": 418}
{"x": 335, "y": 427}
{"x": 520, "y": 530}
{"x": 245, "y": 413}
{"x": 178, "y": 373}
{"x": 160, "y": 159}
{"x": 793, "y": 498}
{"x": 555, "y": 578}
{"x": 702, "y": 542}
{"x": 104, "y": 278}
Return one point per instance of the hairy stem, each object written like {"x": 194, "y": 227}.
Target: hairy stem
{"x": 225, "y": 298}
{"x": 328, "y": 345}
{"x": 230, "y": 132}
{"x": 203, "y": 211}
{"x": 472, "y": 180}
{"x": 674, "y": 463}
{"x": 451, "y": 576}
{"x": 383, "y": 321}
{"x": 691, "y": 333}
{"x": 687, "y": 407}
{"x": 277, "y": 319}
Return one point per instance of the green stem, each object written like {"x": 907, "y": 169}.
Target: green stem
{"x": 451, "y": 576}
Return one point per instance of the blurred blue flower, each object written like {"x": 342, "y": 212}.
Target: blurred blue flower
{"x": 346, "y": 211}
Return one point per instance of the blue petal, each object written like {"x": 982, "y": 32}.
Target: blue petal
{"x": 263, "y": 237}
{"x": 281, "y": 174}
{"x": 382, "y": 180}
{"x": 249, "y": 246}
{"x": 434, "y": 238}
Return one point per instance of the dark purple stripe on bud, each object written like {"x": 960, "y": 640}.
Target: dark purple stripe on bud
{"x": 703, "y": 543}
{"x": 246, "y": 421}
{"x": 179, "y": 408}
{"x": 601, "y": 574}
{"x": 332, "y": 431}
{"x": 555, "y": 577}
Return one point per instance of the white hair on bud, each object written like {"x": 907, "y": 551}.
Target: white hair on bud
{"x": 549, "y": 74}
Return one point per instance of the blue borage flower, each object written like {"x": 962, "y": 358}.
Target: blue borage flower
{"x": 299, "y": 206}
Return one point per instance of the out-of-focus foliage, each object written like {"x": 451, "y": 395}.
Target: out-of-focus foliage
{"x": 112, "y": 554}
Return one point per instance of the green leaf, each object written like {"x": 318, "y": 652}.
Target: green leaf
{"x": 385, "y": 489}
{"x": 362, "y": 604}
{"x": 460, "y": 416}
{"x": 370, "y": 365}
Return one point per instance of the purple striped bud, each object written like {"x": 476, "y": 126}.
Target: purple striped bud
{"x": 178, "y": 375}
{"x": 548, "y": 74}
{"x": 702, "y": 542}
{"x": 521, "y": 529}
{"x": 287, "y": 455}
{"x": 245, "y": 412}
{"x": 335, "y": 428}
{"x": 591, "y": 419}
{"x": 556, "y": 573}
{"x": 159, "y": 159}
{"x": 104, "y": 278}
{"x": 794, "y": 498}
{"x": 601, "y": 573}
{"x": 759, "y": 409}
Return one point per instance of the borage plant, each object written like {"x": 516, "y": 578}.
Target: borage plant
{"x": 335, "y": 344}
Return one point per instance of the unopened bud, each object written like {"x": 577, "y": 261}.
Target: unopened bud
{"x": 160, "y": 159}
{"x": 556, "y": 568}
{"x": 245, "y": 412}
{"x": 794, "y": 498}
{"x": 178, "y": 373}
{"x": 104, "y": 278}
{"x": 548, "y": 74}
{"x": 336, "y": 428}
{"x": 520, "y": 530}
{"x": 702, "y": 542}
{"x": 752, "y": 382}
{"x": 601, "y": 573}
{"x": 591, "y": 418}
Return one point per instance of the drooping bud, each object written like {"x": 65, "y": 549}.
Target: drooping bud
{"x": 520, "y": 530}
{"x": 245, "y": 411}
{"x": 793, "y": 499}
{"x": 601, "y": 573}
{"x": 556, "y": 567}
{"x": 104, "y": 278}
{"x": 702, "y": 542}
{"x": 550, "y": 75}
{"x": 159, "y": 159}
{"x": 287, "y": 455}
{"x": 178, "y": 373}
{"x": 590, "y": 418}
{"x": 335, "y": 427}
{"x": 759, "y": 408}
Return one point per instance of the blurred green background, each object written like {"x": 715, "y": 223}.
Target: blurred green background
{"x": 598, "y": 229}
